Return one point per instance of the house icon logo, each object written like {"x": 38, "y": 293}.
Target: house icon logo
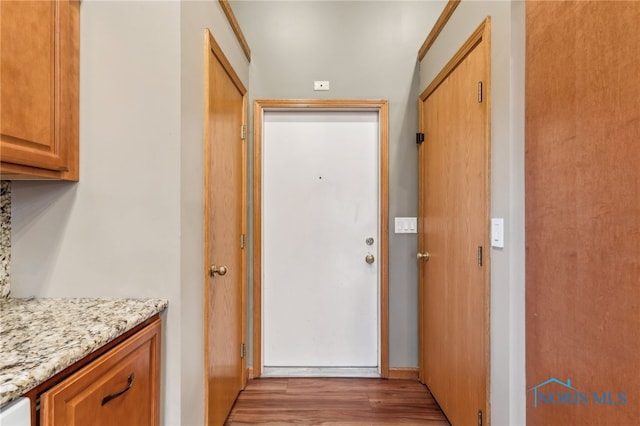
{"x": 551, "y": 380}
{"x": 563, "y": 393}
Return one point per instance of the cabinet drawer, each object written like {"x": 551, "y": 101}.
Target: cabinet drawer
{"x": 120, "y": 388}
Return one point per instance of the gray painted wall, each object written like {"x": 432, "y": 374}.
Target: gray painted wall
{"x": 132, "y": 226}
{"x": 116, "y": 232}
{"x": 195, "y": 17}
{"x": 508, "y": 388}
{"x": 366, "y": 49}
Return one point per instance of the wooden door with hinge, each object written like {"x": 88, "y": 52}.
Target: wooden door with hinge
{"x": 225, "y": 207}
{"x": 453, "y": 232}
{"x": 582, "y": 209}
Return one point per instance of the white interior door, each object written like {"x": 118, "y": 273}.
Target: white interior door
{"x": 320, "y": 221}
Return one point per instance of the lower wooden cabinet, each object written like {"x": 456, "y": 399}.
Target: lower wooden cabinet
{"x": 120, "y": 388}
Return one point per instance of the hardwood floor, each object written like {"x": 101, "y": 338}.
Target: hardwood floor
{"x": 335, "y": 402}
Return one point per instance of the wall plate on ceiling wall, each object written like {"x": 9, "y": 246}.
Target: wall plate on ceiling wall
{"x": 321, "y": 85}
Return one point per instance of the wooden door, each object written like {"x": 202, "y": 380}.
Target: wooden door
{"x": 582, "y": 213}
{"x": 39, "y": 89}
{"x": 453, "y": 233}
{"x": 224, "y": 233}
{"x": 320, "y": 221}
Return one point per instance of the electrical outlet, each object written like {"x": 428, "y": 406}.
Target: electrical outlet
{"x": 320, "y": 85}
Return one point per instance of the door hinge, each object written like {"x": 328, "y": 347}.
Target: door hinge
{"x": 479, "y": 255}
{"x": 242, "y": 350}
{"x": 479, "y": 417}
{"x": 243, "y": 132}
{"x": 479, "y": 92}
{"x": 242, "y": 241}
{"x": 419, "y": 138}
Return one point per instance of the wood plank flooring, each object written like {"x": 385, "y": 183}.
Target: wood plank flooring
{"x": 335, "y": 402}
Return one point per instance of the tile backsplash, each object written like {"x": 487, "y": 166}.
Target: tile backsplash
{"x": 5, "y": 238}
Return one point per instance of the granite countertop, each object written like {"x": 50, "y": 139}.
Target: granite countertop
{"x": 41, "y": 337}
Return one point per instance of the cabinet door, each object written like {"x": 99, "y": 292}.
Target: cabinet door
{"x": 39, "y": 88}
{"x": 121, "y": 388}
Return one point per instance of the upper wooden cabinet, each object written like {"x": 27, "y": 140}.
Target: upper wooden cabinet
{"x": 39, "y": 43}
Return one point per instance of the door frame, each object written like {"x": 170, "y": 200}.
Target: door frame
{"x": 212, "y": 47}
{"x": 382, "y": 106}
{"x": 481, "y": 34}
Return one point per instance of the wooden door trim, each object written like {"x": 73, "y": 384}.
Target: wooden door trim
{"x": 212, "y": 47}
{"x": 448, "y": 10}
{"x": 235, "y": 26}
{"x": 382, "y": 106}
{"x": 482, "y": 33}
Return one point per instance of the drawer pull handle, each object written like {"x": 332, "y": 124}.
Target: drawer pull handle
{"x": 117, "y": 394}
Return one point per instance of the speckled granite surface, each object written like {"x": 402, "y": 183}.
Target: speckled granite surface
{"x": 5, "y": 237}
{"x": 40, "y": 337}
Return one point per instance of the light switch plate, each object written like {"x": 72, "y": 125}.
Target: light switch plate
{"x": 320, "y": 85}
{"x": 497, "y": 232}
{"x": 406, "y": 225}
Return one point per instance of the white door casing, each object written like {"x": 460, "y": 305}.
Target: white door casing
{"x": 320, "y": 203}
